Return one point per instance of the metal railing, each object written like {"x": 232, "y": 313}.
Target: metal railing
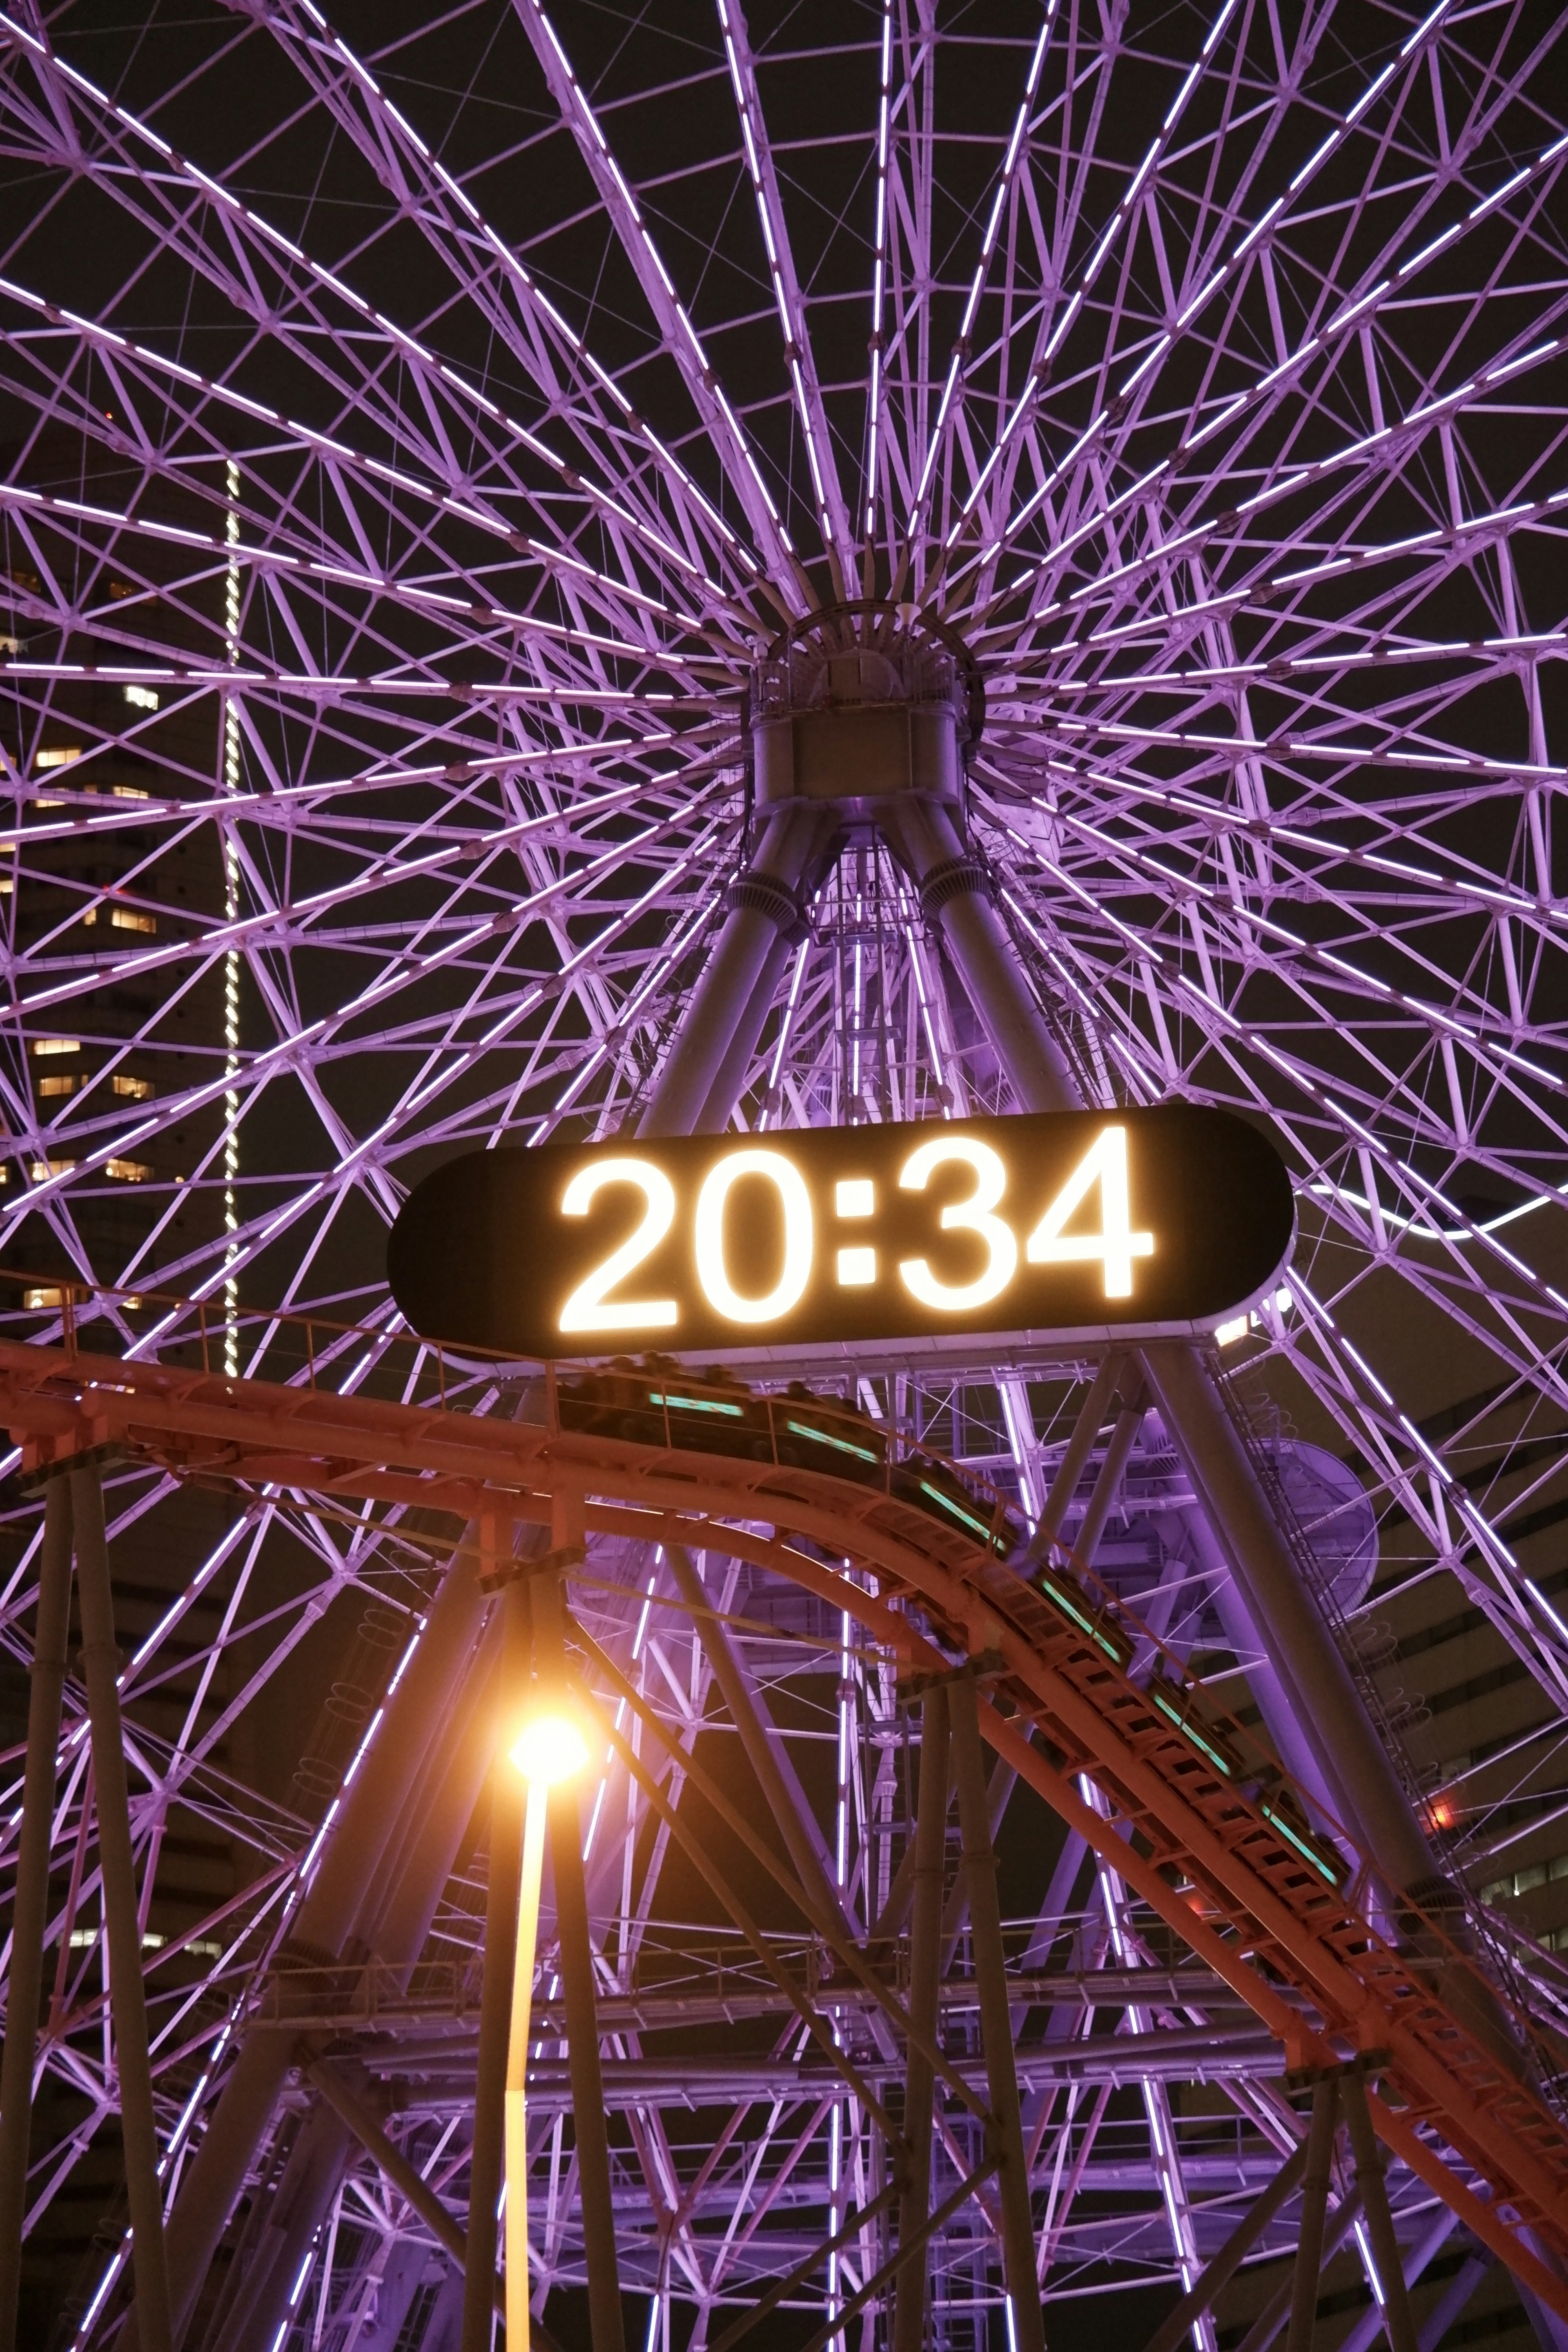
{"x": 654, "y": 1402}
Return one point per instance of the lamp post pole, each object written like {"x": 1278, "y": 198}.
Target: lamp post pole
{"x": 549, "y": 1749}
{"x": 517, "y": 2285}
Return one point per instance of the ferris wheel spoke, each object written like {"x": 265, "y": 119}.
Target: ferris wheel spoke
{"x": 758, "y": 163}
{"x": 725, "y": 434}
{"x": 478, "y": 259}
{"x": 1013, "y": 160}
{"x": 383, "y": 518}
{"x": 328, "y": 355}
{"x": 1129, "y": 576}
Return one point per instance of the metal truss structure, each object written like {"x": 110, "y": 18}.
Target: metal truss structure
{"x": 441, "y": 448}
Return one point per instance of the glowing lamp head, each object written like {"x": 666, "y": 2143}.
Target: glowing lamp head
{"x": 550, "y": 1749}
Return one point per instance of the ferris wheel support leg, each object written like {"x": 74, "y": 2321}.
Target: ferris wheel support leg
{"x": 776, "y": 1776}
{"x": 393, "y": 1922}
{"x": 30, "y": 1907}
{"x": 1006, "y": 2131}
{"x": 1294, "y": 1633}
{"x": 1108, "y": 1486}
{"x": 606, "y": 2325}
{"x": 954, "y": 890}
{"x": 1079, "y": 1446}
{"x": 725, "y": 1090}
{"x": 121, "y": 1918}
{"x": 765, "y": 909}
{"x": 919, "y": 2079}
{"x": 1309, "y": 1763}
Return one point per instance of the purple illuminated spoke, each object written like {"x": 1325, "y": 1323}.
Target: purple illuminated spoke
{"x": 415, "y": 444}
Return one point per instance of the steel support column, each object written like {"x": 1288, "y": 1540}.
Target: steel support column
{"x": 919, "y": 2079}
{"x": 995, "y": 2027}
{"x": 409, "y": 2182}
{"x": 581, "y": 2014}
{"x": 1295, "y": 1635}
{"x": 954, "y": 892}
{"x": 1369, "y": 2326}
{"x": 393, "y": 1924}
{"x": 1079, "y": 1446}
{"x": 268, "y": 2258}
{"x": 776, "y": 1776}
{"x": 1282, "y": 2303}
{"x": 724, "y": 1092}
{"x": 1452, "y": 2300}
{"x": 1305, "y": 1757}
{"x": 1369, "y": 2171}
{"x": 1217, "y": 2274}
{"x": 121, "y": 1915}
{"x": 765, "y": 908}
{"x": 1315, "y": 2184}
{"x": 369, "y": 1817}
{"x": 1108, "y": 1486}
{"x": 29, "y": 1910}
{"x": 953, "y": 889}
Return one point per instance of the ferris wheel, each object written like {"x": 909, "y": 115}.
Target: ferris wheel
{"x": 447, "y": 454}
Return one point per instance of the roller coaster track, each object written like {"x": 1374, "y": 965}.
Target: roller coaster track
{"x": 1056, "y": 1705}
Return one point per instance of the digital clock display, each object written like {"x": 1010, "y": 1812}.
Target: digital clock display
{"x": 1145, "y": 1221}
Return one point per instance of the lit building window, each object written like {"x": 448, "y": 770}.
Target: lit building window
{"x": 56, "y": 1085}
{"x": 44, "y": 1168}
{"x": 140, "y": 698}
{"x": 1524, "y": 1882}
{"x": 131, "y": 919}
{"x": 44, "y": 1047}
{"x": 127, "y": 1171}
{"x": 61, "y": 756}
{"x": 34, "y": 1299}
{"x": 132, "y": 1090}
{"x": 127, "y": 793}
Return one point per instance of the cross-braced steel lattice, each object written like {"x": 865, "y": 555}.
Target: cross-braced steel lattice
{"x": 438, "y": 446}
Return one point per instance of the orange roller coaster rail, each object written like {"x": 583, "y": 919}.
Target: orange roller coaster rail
{"x": 1058, "y": 1705}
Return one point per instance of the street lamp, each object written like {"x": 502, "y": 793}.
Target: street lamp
{"x": 549, "y": 1749}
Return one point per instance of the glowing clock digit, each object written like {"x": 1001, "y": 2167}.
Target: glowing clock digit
{"x": 588, "y": 1309}
{"x": 712, "y": 1267}
{"x": 1105, "y": 1164}
{"x": 973, "y": 1216}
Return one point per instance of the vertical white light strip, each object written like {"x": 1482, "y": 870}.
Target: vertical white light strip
{"x": 838, "y": 2195}
{"x": 231, "y": 960}
{"x": 878, "y": 283}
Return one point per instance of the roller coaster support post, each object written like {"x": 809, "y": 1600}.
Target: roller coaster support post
{"x": 995, "y": 2025}
{"x": 1369, "y": 2171}
{"x": 30, "y": 1908}
{"x": 121, "y": 1917}
{"x": 925, "y": 1929}
{"x": 1314, "y": 2207}
{"x": 1217, "y": 2273}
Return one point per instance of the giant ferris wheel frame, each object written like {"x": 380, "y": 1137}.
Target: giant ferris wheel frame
{"x": 419, "y": 484}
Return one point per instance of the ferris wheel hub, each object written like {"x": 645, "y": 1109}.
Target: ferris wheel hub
{"x": 863, "y": 704}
